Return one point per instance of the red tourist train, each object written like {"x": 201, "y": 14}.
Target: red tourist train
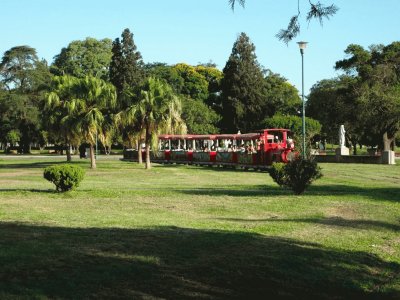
{"x": 250, "y": 150}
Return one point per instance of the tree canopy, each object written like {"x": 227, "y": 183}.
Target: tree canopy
{"x": 377, "y": 87}
{"x": 23, "y": 79}
{"x": 90, "y": 57}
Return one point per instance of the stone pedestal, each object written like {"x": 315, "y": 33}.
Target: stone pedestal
{"x": 388, "y": 158}
{"x": 342, "y": 151}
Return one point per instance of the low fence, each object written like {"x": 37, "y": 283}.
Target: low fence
{"x": 384, "y": 157}
{"x": 356, "y": 159}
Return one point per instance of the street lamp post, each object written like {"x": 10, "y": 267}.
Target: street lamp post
{"x": 302, "y": 46}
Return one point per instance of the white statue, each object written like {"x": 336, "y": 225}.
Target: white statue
{"x": 342, "y": 140}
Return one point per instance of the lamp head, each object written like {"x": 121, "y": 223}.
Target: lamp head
{"x": 302, "y": 46}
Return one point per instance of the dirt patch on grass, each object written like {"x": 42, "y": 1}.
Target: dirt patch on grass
{"x": 341, "y": 210}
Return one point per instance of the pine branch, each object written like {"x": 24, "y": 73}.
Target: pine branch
{"x": 320, "y": 11}
{"x": 317, "y": 11}
{"x": 293, "y": 29}
{"x": 233, "y": 2}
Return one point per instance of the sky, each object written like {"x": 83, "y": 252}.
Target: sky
{"x": 199, "y": 31}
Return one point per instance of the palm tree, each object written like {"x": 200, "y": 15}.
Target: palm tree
{"x": 93, "y": 98}
{"x": 59, "y": 122}
{"x": 159, "y": 111}
{"x": 82, "y": 104}
{"x": 132, "y": 124}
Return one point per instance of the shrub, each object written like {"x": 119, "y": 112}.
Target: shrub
{"x": 298, "y": 174}
{"x": 278, "y": 174}
{"x": 65, "y": 177}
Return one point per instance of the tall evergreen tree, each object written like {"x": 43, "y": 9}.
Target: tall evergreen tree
{"x": 126, "y": 68}
{"x": 243, "y": 91}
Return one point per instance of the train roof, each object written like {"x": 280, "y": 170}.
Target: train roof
{"x": 237, "y": 136}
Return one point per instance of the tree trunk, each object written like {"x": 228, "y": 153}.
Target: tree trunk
{"x": 148, "y": 141}
{"x": 354, "y": 145}
{"x": 139, "y": 146}
{"x": 69, "y": 157}
{"x": 387, "y": 142}
{"x": 92, "y": 158}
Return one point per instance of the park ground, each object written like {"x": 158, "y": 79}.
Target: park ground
{"x": 186, "y": 232}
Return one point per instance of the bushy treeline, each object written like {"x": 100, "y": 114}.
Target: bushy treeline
{"x": 366, "y": 98}
{"x": 102, "y": 91}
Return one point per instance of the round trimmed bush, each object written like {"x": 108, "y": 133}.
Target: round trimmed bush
{"x": 65, "y": 177}
{"x": 297, "y": 174}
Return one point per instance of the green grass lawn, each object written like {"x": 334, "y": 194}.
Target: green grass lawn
{"x": 183, "y": 232}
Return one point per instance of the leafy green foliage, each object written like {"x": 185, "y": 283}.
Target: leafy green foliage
{"x": 366, "y": 100}
{"x": 199, "y": 117}
{"x": 333, "y": 102}
{"x": 281, "y": 96}
{"x": 65, "y": 177}
{"x": 199, "y": 88}
{"x": 277, "y": 173}
{"x": 295, "y": 124}
{"x": 82, "y": 58}
{"x": 297, "y": 175}
{"x": 13, "y": 136}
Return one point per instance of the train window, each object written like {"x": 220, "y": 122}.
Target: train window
{"x": 164, "y": 145}
{"x": 277, "y": 136}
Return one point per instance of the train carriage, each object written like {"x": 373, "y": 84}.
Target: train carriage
{"x": 250, "y": 150}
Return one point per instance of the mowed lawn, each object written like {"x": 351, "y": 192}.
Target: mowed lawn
{"x": 186, "y": 232}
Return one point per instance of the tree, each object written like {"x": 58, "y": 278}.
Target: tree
{"x": 243, "y": 88}
{"x": 90, "y": 57}
{"x": 282, "y": 97}
{"x": 167, "y": 73}
{"x": 317, "y": 11}
{"x": 126, "y": 68}
{"x": 83, "y": 103}
{"x": 160, "y": 111}
{"x": 199, "y": 117}
{"x": 24, "y": 77}
{"x": 126, "y": 74}
{"x": 376, "y": 73}
{"x": 194, "y": 84}
{"x": 333, "y": 102}
{"x": 198, "y": 87}
{"x": 17, "y": 66}
{"x": 294, "y": 123}
{"x": 60, "y": 122}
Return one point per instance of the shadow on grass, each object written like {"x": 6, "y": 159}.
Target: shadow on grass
{"x": 215, "y": 168}
{"x": 47, "y": 191}
{"x": 330, "y": 221}
{"x": 34, "y": 165}
{"x": 381, "y": 193}
{"x": 179, "y": 263}
{"x": 378, "y": 193}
